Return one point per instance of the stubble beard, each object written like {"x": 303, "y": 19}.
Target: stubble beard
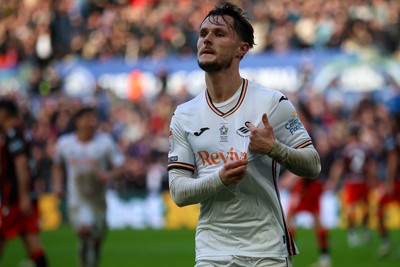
{"x": 214, "y": 66}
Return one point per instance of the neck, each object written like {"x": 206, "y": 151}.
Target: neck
{"x": 222, "y": 86}
{"x": 84, "y": 136}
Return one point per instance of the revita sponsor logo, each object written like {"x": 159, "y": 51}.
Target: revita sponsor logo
{"x": 220, "y": 157}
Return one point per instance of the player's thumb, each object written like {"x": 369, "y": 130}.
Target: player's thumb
{"x": 265, "y": 120}
{"x": 250, "y": 126}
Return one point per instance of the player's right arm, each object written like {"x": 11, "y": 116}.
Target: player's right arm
{"x": 186, "y": 189}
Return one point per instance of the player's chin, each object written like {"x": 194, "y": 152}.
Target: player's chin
{"x": 209, "y": 65}
{"x": 207, "y": 58}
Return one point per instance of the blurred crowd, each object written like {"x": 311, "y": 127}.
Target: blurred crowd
{"x": 141, "y": 128}
{"x": 42, "y": 32}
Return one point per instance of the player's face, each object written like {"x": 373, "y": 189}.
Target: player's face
{"x": 87, "y": 122}
{"x": 218, "y": 44}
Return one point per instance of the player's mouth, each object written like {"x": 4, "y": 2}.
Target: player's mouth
{"x": 207, "y": 51}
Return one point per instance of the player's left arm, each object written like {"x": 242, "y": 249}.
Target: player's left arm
{"x": 117, "y": 160}
{"x": 283, "y": 137}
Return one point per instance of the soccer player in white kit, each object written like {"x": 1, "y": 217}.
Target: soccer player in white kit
{"x": 90, "y": 159}
{"x": 226, "y": 146}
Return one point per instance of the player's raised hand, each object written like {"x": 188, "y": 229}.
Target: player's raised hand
{"x": 233, "y": 172}
{"x": 261, "y": 139}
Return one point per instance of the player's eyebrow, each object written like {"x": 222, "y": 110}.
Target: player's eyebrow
{"x": 223, "y": 28}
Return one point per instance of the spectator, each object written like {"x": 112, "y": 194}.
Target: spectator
{"x": 42, "y": 31}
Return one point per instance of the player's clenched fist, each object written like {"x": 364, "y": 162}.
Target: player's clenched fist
{"x": 233, "y": 172}
{"x": 261, "y": 139}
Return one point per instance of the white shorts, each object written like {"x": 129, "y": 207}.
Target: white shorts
{"x": 84, "y": 215}
{"x": 240, "y": 261}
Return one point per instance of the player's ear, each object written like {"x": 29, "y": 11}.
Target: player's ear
{"x": 242, "y": 49}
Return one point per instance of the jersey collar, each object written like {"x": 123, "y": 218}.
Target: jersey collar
{"x": 236, "y": 107}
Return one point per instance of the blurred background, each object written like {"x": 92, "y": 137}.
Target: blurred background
{"x": 336, "y": 60}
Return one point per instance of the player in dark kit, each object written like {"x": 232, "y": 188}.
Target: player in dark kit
{"x": 305, "y": 196}
{"x": 19, "y": 214}
{"x": 391, "y": 192}
{"x": 357, "y": 169}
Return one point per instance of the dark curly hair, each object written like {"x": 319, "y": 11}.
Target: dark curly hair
{"x": 9, "y": 106}
{"x": 241, "y": 24}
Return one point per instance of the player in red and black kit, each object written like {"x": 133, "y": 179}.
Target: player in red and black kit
{"x": 391, "y": 190}
{"x": 18, "y": 210}
{"x": 357, "y": 168}
{"x": 305, "y": 195}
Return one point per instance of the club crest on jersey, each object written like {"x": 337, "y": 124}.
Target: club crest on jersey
{"x": 294, "y": 123}
{"x": 244, "y": 131}
{"x": 223, "y": 130}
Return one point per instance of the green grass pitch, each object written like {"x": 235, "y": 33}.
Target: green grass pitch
{"x": 159, "y": 248}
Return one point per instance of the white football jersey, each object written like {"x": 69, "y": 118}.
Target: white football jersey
{"x": 246, "y": 219}
{"x": 101, "y": 153}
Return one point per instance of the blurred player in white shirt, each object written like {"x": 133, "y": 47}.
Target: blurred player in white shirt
{"x": 234, "y": 136}
{"x": 90, "y": 159}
